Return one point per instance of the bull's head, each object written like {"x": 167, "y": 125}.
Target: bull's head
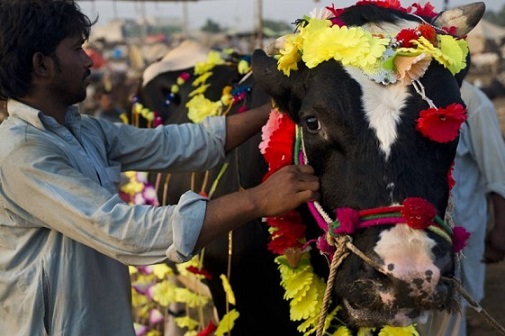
{"x": 374, "y": 92}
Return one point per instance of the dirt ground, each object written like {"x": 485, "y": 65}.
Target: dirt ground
{"x": 494, "y": 300}
{"x": 493, "y": 303}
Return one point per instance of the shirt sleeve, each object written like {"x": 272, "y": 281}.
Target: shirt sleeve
{"x": 486, "y": 142}
{"x": 65, "y": 200}
{"x": 170, "y": 148}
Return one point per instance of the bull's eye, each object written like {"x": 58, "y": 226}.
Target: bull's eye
{"x": 312, "y": 124}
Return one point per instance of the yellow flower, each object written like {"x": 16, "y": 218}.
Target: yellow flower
{"x": 213, "y": 59}
{"x": 162, "y": 270}
{"x": 199, "y": 90}
{"x": 227, "y": 322}
{"x": 342, "y": 331}
{"x": 164, "y": 293}
{"x": 290, "y": 54}
{"x": 398, "y": 331}
{"x": 191, "y": 299}
{"x": 454, "y": 52}
{"x": 186, "y": 322}
{"x": 230, "y": 296}
{"x": 200, "y": 107}
{"x": 243, "y": 67}
{"x": 202, "y": 79}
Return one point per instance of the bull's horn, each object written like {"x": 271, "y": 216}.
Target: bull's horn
{"x": 463, "y": 18}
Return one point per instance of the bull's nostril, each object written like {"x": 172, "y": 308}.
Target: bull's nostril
{"x": 418, "y": 282}
{"x": 429, "y": 275}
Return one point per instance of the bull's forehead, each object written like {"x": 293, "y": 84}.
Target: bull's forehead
{"x": 382, "y": 105}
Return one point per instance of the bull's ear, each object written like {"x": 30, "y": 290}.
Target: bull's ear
{"x": 273, "y": 81}
{"x": 463, "y": 18}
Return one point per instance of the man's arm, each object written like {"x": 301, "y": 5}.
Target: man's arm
{"x": 286, "y": 189}
{"x": 241, "y": 126}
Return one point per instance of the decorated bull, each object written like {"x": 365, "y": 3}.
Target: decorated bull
{"x": 369, "y": 96}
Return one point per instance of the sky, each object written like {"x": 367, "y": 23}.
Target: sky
{"x": 240, "y": 14}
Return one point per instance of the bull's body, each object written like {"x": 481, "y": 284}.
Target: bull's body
{"x": 361, "y": 138}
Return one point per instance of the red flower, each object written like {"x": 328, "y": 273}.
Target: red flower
{"x": 203, "y": 272}
{"x": 209, "y": 329}
{"x": 277, "y": 143}
{"x": 418, "y": 212}
{"x": 394, "y": 4}
{"x": 425, "y": 11}
{"x": 289, "y": 232}
{"x": 428, "y": 32}
{"x": 405, "y": 37}
{"x": 441, "y": 125}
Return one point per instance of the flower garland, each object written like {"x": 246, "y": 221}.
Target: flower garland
{"x": 199, "y": 107}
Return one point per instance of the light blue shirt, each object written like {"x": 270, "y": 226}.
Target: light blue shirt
{"x": 66, "y": 237}
{"x": 479, "y": 170}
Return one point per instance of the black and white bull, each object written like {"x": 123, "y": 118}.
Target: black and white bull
{"x": 361, "y": 130}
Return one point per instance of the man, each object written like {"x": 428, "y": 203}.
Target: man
{"x": 65, "y": 234}
{"x": 479, "y": 172}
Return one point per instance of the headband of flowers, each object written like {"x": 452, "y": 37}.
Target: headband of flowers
{"x": 322, "y": 36}
{"x": 402, "y": 58}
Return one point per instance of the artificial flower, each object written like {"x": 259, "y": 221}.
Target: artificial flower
{"x": 441, "y": 124}
{"x": 199, "y": 91}
{"x": 290, "y": 54}
{"x": 200, "y": 107}
{"x": 426, "y": 10}
{"x": 186, "y": 322}
{"x": 406, "y": 36}
{"x": 202, "y": 79}
{"x": 277, "y": 141}
{"x": 163, "y": 292}
{"x": 460, "y": 238}
{"x": 208, "y": 330}
{"x": 398, "y": 331}
{"x": 230, "y": 296}
{"x": 190, "y": 298}
{"x": 214, "y": 58}
{"x": 288, "y": 231}
{"x": 418, "y": 212}
{"x": 140, "y": 329}
{"x": 155, "y": 316}
{"x": 410, "y": 68}
{"x": 227, "y": 322}
{"x": 161, "y": 271}
{"x": 428, "y": 32}
{"x": 200, "y": 272}
{"x": 342, "y": 331}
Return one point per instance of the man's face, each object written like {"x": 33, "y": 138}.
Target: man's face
{"x": 72, "y": 69}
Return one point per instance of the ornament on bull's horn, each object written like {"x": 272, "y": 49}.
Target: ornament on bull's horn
{"x": 463, "y": 18}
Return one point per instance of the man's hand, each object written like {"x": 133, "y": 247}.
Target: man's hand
{"x": 286, "y": 189}
{"x": 495, "y": 247}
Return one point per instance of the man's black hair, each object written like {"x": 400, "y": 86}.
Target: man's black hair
{"x": 31, "y": 26}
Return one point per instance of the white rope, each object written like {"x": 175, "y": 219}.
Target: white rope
{"x": 317, "y": 205}
{"x": 420, "y": 90}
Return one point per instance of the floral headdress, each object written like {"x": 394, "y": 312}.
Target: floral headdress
{"x": 402, "y": 57}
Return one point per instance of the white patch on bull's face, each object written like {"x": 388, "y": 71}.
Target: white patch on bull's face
{"x": 382, "y": 105}
{"x": 407, "y": 255}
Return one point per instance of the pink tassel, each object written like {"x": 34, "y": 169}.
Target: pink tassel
{"x": 460, "y": 238}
